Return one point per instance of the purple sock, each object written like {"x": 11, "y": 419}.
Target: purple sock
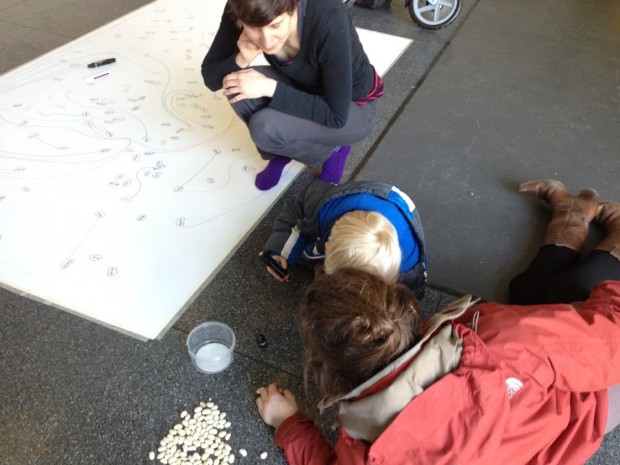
{"x": 270, "y": 176}
{"x": 334, "y": 165}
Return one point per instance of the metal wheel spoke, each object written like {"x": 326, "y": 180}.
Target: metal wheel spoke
{"x": 437, "y": 13}
{"x": 446, "y": 3}
{"x": 426, "y": 8}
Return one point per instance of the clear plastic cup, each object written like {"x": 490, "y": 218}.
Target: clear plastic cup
{"x": 211, "y": 345}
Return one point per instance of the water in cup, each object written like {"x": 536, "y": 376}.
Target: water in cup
{"x": 211, "y": 346}
{"x": 213, "y": 357}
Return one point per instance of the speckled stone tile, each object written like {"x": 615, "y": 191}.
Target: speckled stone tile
{"x": 81, "y": 394}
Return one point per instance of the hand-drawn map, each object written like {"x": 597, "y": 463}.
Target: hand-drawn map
{"x": 124, "y": 188}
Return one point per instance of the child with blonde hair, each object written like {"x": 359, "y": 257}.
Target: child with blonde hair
{"x": 365, "y": 241}
{"x": 366, "y": 225}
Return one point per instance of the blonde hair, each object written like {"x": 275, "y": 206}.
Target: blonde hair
{"x": 365, "y": 241}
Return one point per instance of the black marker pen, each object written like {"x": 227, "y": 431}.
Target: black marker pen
{"x": 107, "y": 61}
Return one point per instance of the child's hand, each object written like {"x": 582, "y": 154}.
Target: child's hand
{"x": 283, "y": 263}
{"x": 276, "y": 404}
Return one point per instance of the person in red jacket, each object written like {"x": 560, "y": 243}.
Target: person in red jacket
{"x": 478, "y": 383}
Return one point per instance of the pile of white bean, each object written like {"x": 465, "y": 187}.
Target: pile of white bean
{"x": 198, "y": 439}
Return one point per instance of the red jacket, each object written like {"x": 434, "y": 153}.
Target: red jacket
{"x": 530, "y": 387}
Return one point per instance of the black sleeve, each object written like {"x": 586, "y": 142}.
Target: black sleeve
{"x": 220, "y": 59}
{"x": 332, "y": 40}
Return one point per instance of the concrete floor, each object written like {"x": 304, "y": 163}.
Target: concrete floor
{"x": 525, "y": 90}
{"x": 73, "y": 392}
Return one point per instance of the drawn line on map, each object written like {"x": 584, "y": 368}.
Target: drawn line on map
{"x": 153, "y": 172}
{"x": 182, "y": 221}
{"x": 69, "y": 261}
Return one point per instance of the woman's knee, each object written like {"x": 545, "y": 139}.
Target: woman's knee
{"x": 246, "y": 108}
{"x": 266, "y": 133}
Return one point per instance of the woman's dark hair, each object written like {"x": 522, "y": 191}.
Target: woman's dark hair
{"x": 353, "y": 324}
{"x": 259, "y": 13}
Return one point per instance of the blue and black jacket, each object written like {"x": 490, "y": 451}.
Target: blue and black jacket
{"x": 301, "y": 230}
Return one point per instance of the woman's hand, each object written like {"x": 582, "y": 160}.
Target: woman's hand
{"x": 276, "y": 404}
{"x": 248, "y": 83}
{"x": 247, "y": 51}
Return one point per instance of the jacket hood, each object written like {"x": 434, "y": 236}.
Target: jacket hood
{"x": 437, "y": 353}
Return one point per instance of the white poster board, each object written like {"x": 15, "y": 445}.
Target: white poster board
{"x": 124, "y": 188}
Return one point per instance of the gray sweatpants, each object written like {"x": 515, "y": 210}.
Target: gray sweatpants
{"x": 277, "y": 133}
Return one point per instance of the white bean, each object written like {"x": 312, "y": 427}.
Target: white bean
{"x": 243, "y": 452}
{"x": 263, "y": 455}
{"x": 198, "y": 438}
